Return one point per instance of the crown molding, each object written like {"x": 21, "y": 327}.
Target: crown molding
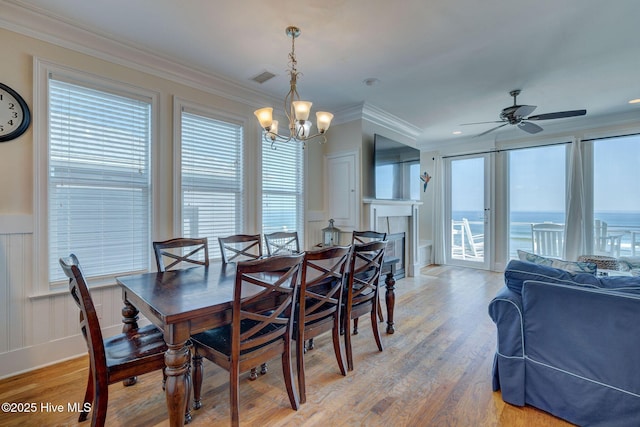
{"x": 378, "y": 116}
{"x": 36, "y": 23}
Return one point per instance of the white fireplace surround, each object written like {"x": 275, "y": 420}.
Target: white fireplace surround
{"x": 382, "y": 216}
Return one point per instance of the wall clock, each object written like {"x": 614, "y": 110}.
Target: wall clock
{"x": 14, "y": 114}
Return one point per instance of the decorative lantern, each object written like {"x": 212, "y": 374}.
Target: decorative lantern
{"x": 330, "y": 235}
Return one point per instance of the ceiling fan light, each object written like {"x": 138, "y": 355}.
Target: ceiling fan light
{"x": 323, "y": 121}
{"x": 265, "y": 117}
{"x": 302, "y": 109}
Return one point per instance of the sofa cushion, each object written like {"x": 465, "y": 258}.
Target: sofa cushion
{"x": 517, "y": 272}
{"x": 571, "y": 266}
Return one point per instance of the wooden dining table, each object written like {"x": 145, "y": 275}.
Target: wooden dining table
{"x": 182, "y": 303}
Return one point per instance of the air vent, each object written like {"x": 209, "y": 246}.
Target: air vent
{"x": 263, "y": 77}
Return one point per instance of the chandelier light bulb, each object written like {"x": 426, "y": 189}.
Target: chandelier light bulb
{"x": 302, "y": 109}
{"x": 323, "y": 121}
{"x": 265, "y": 117}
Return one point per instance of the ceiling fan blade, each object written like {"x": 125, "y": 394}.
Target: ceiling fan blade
{"x": 524, "y": 110}
{"x": 529, "y": 127}
{"x": 558, "y": 115}
{"x": 492, "y": 129}
{"x": 481, "y": 123}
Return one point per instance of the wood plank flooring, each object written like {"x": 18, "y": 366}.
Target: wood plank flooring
{"x": 434, "y": 371}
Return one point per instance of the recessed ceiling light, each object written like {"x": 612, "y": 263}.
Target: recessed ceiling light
{"x": 457, "y": 132}
{"x": 371, "y": 81}
{"x": 635, "y": 101}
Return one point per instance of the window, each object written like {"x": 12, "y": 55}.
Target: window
{"x": 537, "y": 194}
{"x": 98, "y": 177}
{"x": 616, "y": 196}
{"x": 282, "y": 188}
{"x": 211, "y": 177}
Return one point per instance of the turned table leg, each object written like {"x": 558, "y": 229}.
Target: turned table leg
{"x": 390, "y": 298}
{"x": 129, "y": 322}
{"x": 178, "y": 385}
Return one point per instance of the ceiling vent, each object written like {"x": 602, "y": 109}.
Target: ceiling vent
{"x": 263, "y": 77}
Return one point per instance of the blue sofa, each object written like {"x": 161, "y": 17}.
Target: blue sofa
{"x": 569, "y": 344}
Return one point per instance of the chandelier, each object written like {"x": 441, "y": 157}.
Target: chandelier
{"x": 297, "y": 111}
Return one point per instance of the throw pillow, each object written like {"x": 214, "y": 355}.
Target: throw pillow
{"x": 570, "y": 266}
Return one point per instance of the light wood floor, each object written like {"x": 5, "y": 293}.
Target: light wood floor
{"x": 434, "y": 371}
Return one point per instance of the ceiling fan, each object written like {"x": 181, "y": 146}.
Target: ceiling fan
{"x": 517, "y": 115}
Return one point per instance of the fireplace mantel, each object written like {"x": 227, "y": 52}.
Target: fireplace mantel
{"x": 376, "y": 209}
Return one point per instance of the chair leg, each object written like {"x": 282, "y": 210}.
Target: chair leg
{"x": 253, "y": 375}
{"x": 197, "y": 381}
{"x": 234, "y": 392}
{"x": 355, "y": 326}
{"x": 380, "y": 316}
{"x": 300, "y": 350}
{"x": 263, "y": 369}
{"x": 347, "y": 343}
{"x": 99, "y": 409}
{"x": 287, "y": 372}
{"x": 374, "y": 326}
{"x": 88, "y": 397}
{"x": 337, "y": 348}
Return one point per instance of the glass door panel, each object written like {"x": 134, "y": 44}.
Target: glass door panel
{"x": 467, "y": 243}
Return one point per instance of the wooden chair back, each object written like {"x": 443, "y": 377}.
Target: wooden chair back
{"x": 320, "y": 297}
{"x": 197, "y": 252}
{"x": 360, "y": 237}
{"x": 282, "y": 243}
{"x": 362, "y": 290}
{"x": 240, "y": 247}
{"x": 548, "y": 239}
{"x": 136, "y": 352}
{"x": 263, "y": 311}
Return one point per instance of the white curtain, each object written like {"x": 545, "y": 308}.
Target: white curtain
{"x": 576, "y": 229}
{"x": 438, "y": 211}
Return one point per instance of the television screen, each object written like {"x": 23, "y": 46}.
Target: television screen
{"x": 396, "y": 170}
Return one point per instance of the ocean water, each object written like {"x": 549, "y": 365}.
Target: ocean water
{"x": 520, "y": 226}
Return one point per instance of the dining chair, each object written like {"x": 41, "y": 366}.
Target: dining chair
{"x": 320, "y": 298}
{"x": 240, "y": 247}
{"x": 262, "y": 315}
{"x": 548, "y": 239}
{"x": 359, "y": 237}
{"x": 282, "y": 243}
{"x": 366, "y": 236}
{"x": 197, "y": 252}
{"x": 362, "y": 291}
{"x": 114, "y": 359}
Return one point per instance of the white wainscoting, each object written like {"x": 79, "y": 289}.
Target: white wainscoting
{"x": 38, "y": 331}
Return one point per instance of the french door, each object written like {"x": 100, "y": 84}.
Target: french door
{"x": 467, "y": 213}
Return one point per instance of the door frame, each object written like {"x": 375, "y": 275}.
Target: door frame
{"x": 489, "y": 178}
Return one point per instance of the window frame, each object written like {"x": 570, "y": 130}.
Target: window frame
{"x": 42, "y": 71}
{"x": 181, "y": 105}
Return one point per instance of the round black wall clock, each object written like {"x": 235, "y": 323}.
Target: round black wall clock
{"x": 14, "y": 114}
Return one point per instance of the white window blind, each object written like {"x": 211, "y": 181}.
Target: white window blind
{"x": 211, "y": 172}
{"x": 99, "y": 186}
{"x": 282, "y": 188}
